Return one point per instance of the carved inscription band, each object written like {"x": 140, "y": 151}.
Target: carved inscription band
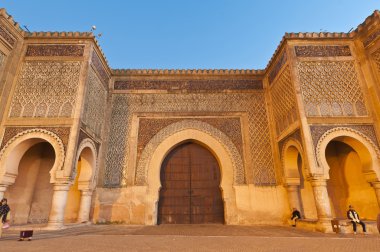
{"x": 55, "y": 50}
{"x": 322, "y": 51}
{"x": 192, "y": 85}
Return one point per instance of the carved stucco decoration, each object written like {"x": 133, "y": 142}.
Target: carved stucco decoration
{"x": 60, "y": 157}
{"x": 284, "y": 101}
{"x": 62, "y": 132}
{"x": 97, "y": 64}
{"x": 193, "y": 85}
{"x": 376, "y": 57}
{"x": 322, "y": 51}
{"x": 277, "y": 67}
{"x": 148, "y": 127}
{"x": 46, "y": 89}
{"x": 6, "y": 35}
{"x": 331, "y": 88}
{"x": 54, "y": 50}
{"x": 365, "y": 131}
{"x": 95, "y": 105}
{"x": 2, "y": 58}
{"x": 253, "y": 104}
{"x": 141, "y": 171}
{"x": 371, "y": 38}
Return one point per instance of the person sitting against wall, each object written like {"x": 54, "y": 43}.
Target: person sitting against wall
{"x": 4, "y": 211}
{"x": 295, "y": 216}
{"x": 354, "y": 217}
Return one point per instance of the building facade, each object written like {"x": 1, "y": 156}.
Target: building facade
{"x": 82, "y": 142}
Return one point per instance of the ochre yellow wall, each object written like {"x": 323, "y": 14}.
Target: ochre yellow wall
{"x": 347, "y": 184}
{"x": 30, "y": 196}
{"x": 73, "y": 199}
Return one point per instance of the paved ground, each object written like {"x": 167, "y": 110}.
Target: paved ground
{"x": 187, "y": 238}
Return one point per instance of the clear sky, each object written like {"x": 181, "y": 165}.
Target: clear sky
{"x": 188, "y": 34}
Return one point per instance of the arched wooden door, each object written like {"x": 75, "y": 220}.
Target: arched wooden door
{"x": 190, "y": 193}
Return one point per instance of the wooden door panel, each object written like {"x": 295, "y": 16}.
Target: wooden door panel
{"x": 190, "y": 192}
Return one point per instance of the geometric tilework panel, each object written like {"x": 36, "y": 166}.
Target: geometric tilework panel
{"x": 95, "y": 106}
{"x": 125, "y": 105}
{"x": 331, "y": 88}
{"x": 46, "y": 89}
{"x": 284, "y": 101}
{"x": 376, "y": 58}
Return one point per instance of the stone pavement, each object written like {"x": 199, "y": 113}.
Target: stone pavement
{"x": 187, "y": 238}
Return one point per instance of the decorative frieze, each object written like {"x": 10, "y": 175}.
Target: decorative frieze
{"x": 54, "y": 50}
{"x": 371, "y": 38}
{"x": 277, "y": 67}
{"x": 191, "y": 85}
{"x": 96, "y": 62}
{"x": 6, "y": 35}
{"x": 322, "y": 51}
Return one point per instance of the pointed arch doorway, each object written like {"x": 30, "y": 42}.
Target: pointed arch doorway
{"x": 190, "y": 192}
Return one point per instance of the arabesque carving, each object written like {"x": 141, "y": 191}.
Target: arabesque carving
{"x": 331, "y": 88}
{"x": 55, "y": 50}
{"x": 277, "y": 67}
{"x": 62, "y": 132}
{"x": 141, "y": 171}
{"x": 322, "y": 51}
{"x": 125, "y": 105}
{"x": 46, "y": 89}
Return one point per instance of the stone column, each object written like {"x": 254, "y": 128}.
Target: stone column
{"x": 321, "y": 198}
{"x": 58, "y": 204}
{"x": 376, "y": 187}
{"x": 3, "y": 188}
{"x": 293, "y": 196}
{"x": 85, "y": 205}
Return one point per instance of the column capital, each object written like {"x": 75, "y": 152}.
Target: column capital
{"x": 61, "y": 187}
{"x": 86, "y": 192}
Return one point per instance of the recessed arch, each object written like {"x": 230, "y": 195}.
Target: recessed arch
{"x": 168, "y": 144}
{"x": 83, "y": 182}
{"x": 16, "y": 147}
{"x": 291, "y": 151}
{"x": 367, "y": 150}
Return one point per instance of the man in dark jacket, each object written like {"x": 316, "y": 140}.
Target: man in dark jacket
{"x": 354, "y": 217}
{"x": 295, "y": 216}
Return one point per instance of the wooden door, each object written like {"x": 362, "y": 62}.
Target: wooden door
{"x": 190, "y": 193}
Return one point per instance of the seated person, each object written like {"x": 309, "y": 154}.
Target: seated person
{"x": 295, "y": 216}
{"x": 354, "y": 217}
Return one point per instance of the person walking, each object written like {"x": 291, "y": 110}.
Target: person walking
{"x": 4, "y": 211}
{"x": 354, "y": 217}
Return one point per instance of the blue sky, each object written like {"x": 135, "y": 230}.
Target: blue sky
{"x": 189, "y": 34}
